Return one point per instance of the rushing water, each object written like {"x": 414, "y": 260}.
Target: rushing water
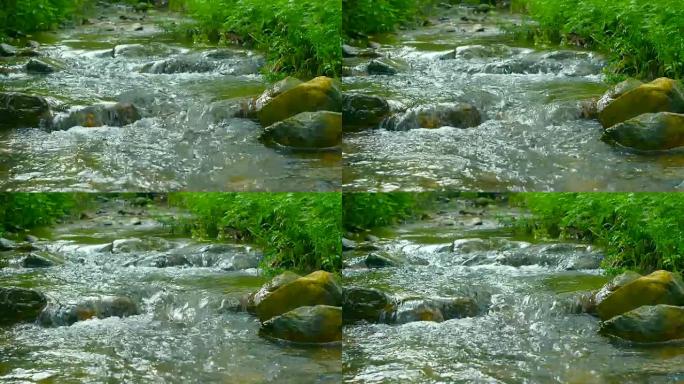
{"x": 529, "y": 331}
{"x": 186, "y": 139}
{"x": 184, "y": 332}
{"x": 532, "y": 137}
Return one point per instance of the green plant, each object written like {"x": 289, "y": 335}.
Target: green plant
{"x": 34, "y": 15}
{"x": 370, "y": 210}
{"x": 299, "y": 231}
{"x": 300, "y": 38}
{"x": 28, "y": 210}
{"x": 643, "y": 231}
{"x": 643, "y": 38}
{"x": 374, "y": 16}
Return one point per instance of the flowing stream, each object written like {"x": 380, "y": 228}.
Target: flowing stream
{"x": 187, "y": 138}
{"x": 529, "y": 329}
{"x": 532, "y": 137}
{"x": 185, "y": 331}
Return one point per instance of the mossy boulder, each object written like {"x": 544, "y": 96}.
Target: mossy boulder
{"x": 319, "y": 94}
{"x": 42, "y": 66}
{"x": 19, "y": 110}
{"x": 649, "y": 132}
{"x": 306, "y": 130}
{"x": 308, "y": 324}
{"x": 367, "y": 304}
{"x": 660, "y": 95}
{"x": 317, "y": 288}
{"x": 616, "y": 283}
{"x": 419, "y": 310}
{"x": 647, "y": 324}
{"x": 385, "y": 259}
{"x": 363, "y": 111}
{"x": 250, "y": 302}
{"x": 458, "y": 115}
{"x": 615, "y": 92}
{"x": 20, "y": 305}
{"x": 660, "y": 287}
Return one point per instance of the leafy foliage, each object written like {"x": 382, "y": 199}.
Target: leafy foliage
{"x": 644, "y": 38}
{"x": 27, "y": 210}
{"x": 300, "y": 37}
{"x": 370, "y": 210}
{"x": 35, "y": 15}
{"x": 643, "y": 231}
{"x": 299, "y": 231}
{"x": 374, "y": 16}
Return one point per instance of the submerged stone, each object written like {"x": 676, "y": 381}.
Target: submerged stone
{"x": 7, "y": 50}
{"x": 35, "y": 261}
{"x": 109, "y": 114}
{"x": 41, "y": 66}
{"x": 91, "y": 308}
{"x": 363, "y": 111}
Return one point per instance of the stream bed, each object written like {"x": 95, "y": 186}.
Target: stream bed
{"x": 532, "y": 136}
{"x": 187, "y": 138}
{"x": 529, "y": 328}
{"x": 185, "y": 331}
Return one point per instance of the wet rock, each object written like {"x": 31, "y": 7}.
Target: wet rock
{"x": 306, "y": 130}
{"x": 90, "y": 308}
{"x": 661, "y": 95}
{"x": 139, "y": 245}
{"x": 250, "y": 107}
{"x": 6, "y": 244}
{"x": 647, "y": 324}
{"x": 28, "y": 53}
{"x": 348, "y": 244}
{"x": 616, "y": 283}
{"x": 20, "y": 304}
{"x": 349, "y": 51}
{"x": 384, "y": 260}
{"x": 240, "y": 261}
{"x": 307, "y": 324}
{"x": 615, "y": 92}
{"x": 418, "y": 310}
{"x": 363, "y": 111}
{"x": 660, "y": 287}
{"x": 382, "y": 67}
{"x": 31, "y": 239}
{"x": 179, "y": 65}
{"x": 317, "y": 288}
{"x": 40, "y": 66}
{"x": 250, "y": 302}
{"x": 142, "y": 50}
{"x": 649, "y": 132}
{"x": 7, "y": 50}
{"x": 109, "y": 114}
{"x": 470, "y": 245}
{"x": 458, "y": 115}
{"x": 319, "y": 94}
{"x": 367, "y": 304}
{"x": 20, "y": 110}
{"x": 457, "y": 307}
{"x": 35, "y": 261}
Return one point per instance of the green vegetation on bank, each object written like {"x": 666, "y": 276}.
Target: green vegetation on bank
{"x": 643, "y": 38}
{"x": 298, "y": 231}
{"x": 642, "y": 231}
{"x": 300, "y": 38}
{"x": 369, "y": 210}
{"x": 37, "y": 15}
{"x": 374, "y": 16}
{"x": 28, "y": 210}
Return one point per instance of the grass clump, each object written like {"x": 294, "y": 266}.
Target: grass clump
{"x": 641, "y": 231}
{"x": 365, "y": 17}
{"x": 370, "y": 210}
{"x": 300, "y": 38}
{"x": 28, "y": 210}
{"x": 299, "y": 231}
{"x": 643, "y": 38}
{"x": 37, "y": 15}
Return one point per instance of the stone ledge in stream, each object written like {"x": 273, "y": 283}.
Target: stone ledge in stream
{"x": 106, "y": 114}
{"x": 306, "y": 130}
{"x": 457, "y": 115}
{"x": 647, "y": 324}
{"x": 648, "y": 132}
{"x": 20, "y": 110}
{"x": 206, "y": 62}
{"x": 363, "y": 111}
{"x": 20, "y": 305}
{"x": 90, "y": 308}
